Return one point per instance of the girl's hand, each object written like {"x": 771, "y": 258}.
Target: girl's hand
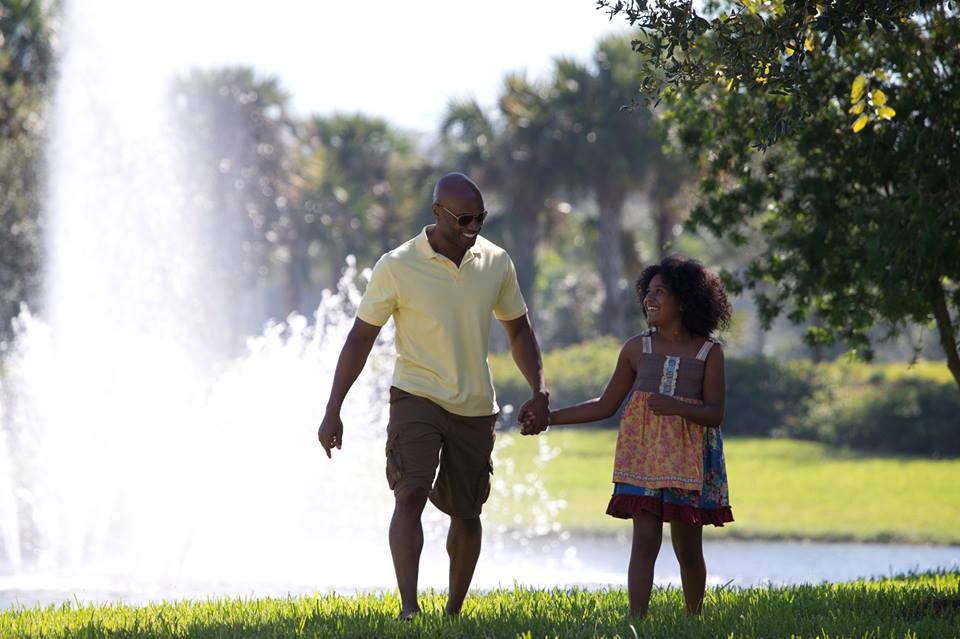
{"x": 525, "y": 419}
{"x": 664, "y": 404}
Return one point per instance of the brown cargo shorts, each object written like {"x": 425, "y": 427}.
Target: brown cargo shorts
{"x": 420, "y": 434}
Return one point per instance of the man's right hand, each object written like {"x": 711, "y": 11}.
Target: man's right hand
{"x": 331, "y": 433}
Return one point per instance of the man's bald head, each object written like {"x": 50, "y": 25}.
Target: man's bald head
{"x": 458, "y": 209}
{"x": 456, "y": 188}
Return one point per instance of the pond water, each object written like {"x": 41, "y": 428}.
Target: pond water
{"x": 563, "y": 561}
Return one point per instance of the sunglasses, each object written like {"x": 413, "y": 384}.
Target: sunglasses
{"x": 467, "y": 218}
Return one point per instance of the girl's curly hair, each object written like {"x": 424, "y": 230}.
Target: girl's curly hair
{"x": 698, "y": 290}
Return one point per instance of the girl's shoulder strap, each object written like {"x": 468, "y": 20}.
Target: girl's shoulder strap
{"x": 705, "y": 349}
{"x": 647, "y": 341}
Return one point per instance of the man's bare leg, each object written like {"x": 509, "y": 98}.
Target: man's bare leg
{"x": 406, "y": 543}
{"x": 463, "y": 546}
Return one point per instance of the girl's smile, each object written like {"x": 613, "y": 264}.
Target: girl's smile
{"x": 659, "y": 303}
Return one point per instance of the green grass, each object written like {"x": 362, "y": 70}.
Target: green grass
{"x": 914, "y": 606}
{"x": 778, "y": 489}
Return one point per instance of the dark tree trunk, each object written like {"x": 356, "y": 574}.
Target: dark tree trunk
{"x": 610, "y": 259}
{"x": 665, "y": 219}
{"x": 522, "y": 239}
{"x": 759, "y": 337}
{"x": 816, "y": 351}
{"x": 296, "y": 274}
{"x": 948, "y": 338}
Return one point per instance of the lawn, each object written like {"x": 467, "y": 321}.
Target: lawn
{"x": 915, "y": 606}
{"x": 778, "y": 489}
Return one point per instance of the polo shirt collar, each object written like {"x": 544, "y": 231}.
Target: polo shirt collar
{"x": 425, "y": 250}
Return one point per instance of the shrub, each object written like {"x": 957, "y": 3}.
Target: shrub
{"x": 574, "y": 374}
{"x": 765, "y": 397}
{"x": 886, "y": 407}
{"x": 910, "y": 415}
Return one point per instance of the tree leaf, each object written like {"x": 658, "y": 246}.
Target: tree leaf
{"x": 859, "y": 123}
{"x": 858, "y": 108}
{"x": 856, "y": 90}
{"x": 886, "y": 113}
{"x": 878, "y": 97}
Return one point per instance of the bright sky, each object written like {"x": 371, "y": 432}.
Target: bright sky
{"x": 399, "y": 60}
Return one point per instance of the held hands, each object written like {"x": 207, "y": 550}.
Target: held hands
{"x": 330, "y": 433}
{"x": 534, "y": 415}
{"x": 664, "y": 404}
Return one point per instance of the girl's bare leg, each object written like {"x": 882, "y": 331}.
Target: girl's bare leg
{"x": 688, "y": 545}
{"x": 647, "y": 537}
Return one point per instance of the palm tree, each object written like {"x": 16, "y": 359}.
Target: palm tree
{"x": 513, "y": 154}
{"x": 372, "y": 186}
{"x": 233, "y": 123}
{"x": 608, "y": 152}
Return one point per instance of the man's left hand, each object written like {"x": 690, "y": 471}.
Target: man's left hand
{"x": 534, "y": 415}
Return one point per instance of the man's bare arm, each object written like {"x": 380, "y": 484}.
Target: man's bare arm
{"x": 353, "y": 357}
{"x": 526, "y": 354}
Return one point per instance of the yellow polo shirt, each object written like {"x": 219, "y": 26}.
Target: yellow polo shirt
{"x": 442, "y": 317}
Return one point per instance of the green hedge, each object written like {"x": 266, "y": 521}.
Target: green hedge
{"x": 909, "y": 415}
{"x": 766, "y": 397}
{"x": 574, "y": 373}
{"x": 893, "y": 408}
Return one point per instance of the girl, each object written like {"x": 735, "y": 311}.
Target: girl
{"x": 669, "y": 461}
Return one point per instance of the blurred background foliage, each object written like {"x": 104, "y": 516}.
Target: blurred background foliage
{"x": 835, "y": 236}
{"x": 26, "y": 69}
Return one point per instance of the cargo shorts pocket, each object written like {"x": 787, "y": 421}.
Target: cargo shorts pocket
{"x": 394, "y": 461}
{"x": 394, "y": 464}
{"x": 483, "y": 492}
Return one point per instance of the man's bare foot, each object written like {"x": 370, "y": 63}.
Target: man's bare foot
{"x": 451, "y": 613}
{"x": 408, "y": 615}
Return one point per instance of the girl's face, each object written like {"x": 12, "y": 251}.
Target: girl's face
{"x": 660, "y": 304}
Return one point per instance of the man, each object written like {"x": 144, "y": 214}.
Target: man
{"x": 441, "y": 288}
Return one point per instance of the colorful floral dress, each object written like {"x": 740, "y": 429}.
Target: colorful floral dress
{"x": 668, "y": 465}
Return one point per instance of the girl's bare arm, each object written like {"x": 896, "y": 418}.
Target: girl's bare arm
{"x": 613, "y": 395}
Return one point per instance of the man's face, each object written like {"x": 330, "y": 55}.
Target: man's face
{"x": 463, "y": 236}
